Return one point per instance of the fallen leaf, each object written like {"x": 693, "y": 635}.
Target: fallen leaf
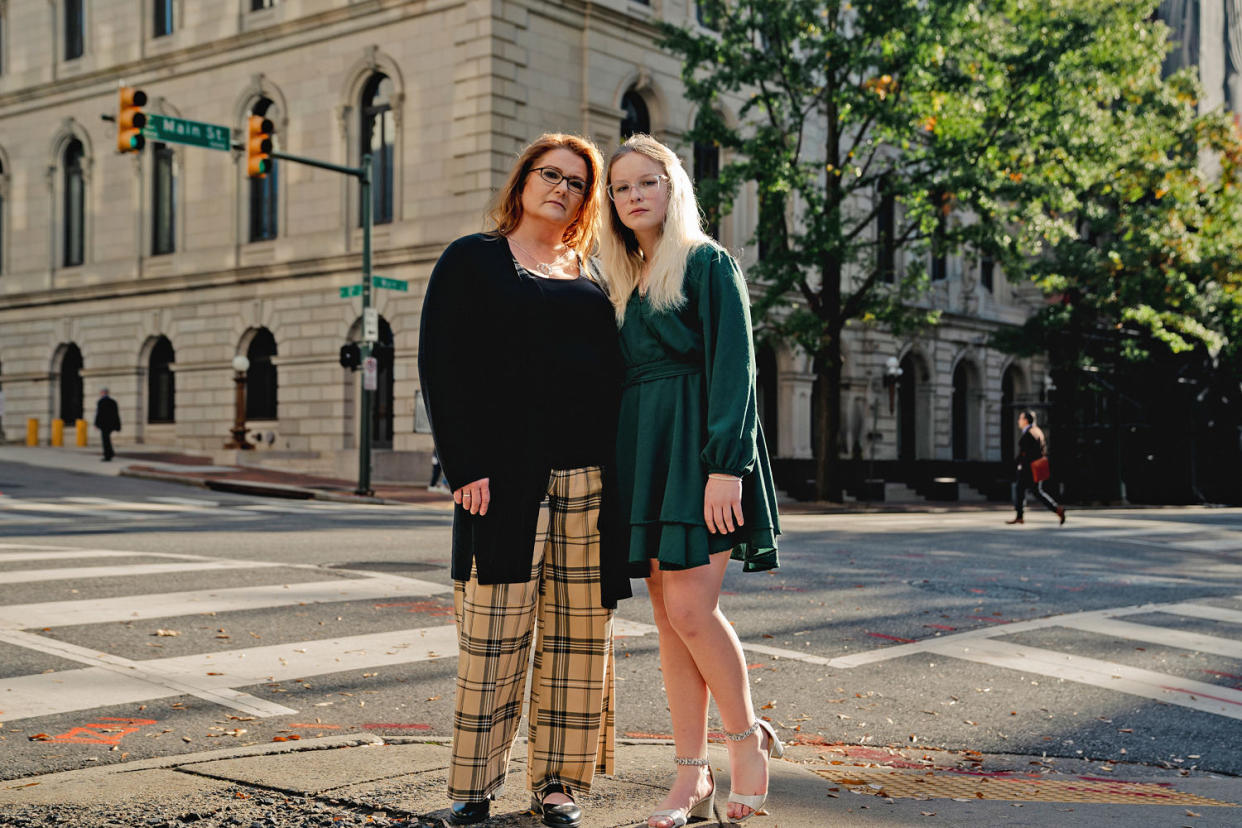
{"x": 166, "y": 633}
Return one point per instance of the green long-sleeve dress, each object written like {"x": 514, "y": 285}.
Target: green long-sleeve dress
{"x": 689, "y": 409}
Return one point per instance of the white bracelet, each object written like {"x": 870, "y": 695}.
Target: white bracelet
{"x": 721, "y": 476}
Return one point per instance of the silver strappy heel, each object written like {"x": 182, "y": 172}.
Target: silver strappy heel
{"x": 702, "y": 809}
{"x": 774, "y": 749}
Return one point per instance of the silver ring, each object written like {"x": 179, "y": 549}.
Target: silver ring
{"x": 465, "y": 494}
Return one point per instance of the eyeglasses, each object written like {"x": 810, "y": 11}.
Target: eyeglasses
{"x": 647, "y": 186}
{"x": 553, "y": 176}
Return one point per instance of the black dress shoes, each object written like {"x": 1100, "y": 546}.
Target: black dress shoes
{"x": 468, "y": 813}
{"x": 566, "y": 815}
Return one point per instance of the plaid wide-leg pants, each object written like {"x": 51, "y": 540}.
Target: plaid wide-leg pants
{"x": 572, "y": 701}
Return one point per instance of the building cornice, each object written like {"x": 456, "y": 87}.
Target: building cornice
{"x": 268, "y": 273}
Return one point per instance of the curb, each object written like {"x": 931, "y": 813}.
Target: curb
{"x": 252, "y": 487}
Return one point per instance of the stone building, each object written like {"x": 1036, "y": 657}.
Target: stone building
{"x": 149, "y": 273}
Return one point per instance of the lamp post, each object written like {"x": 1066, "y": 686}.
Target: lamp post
{"x": 892, "y": 372}
{"x": 240, "y": 366}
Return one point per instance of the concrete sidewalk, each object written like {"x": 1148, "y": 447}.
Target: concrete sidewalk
{"x": 368, "y": 780}
{"x": 177, "y": 467}
{"x": 187, "y": 469}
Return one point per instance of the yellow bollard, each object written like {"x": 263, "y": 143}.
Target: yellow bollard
{"x": 80, "y": 426}
{"x": 58, "y": 432}
{"x": 32, "y": 432}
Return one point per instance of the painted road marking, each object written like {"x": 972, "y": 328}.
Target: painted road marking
{"x": 142, "y": 506}
{"x": 15, "y": 507}
{"x": 1205, "y": 611}
{"x": 91, "y": 572}
{"x": 168, "y": 604}
{"x": 981, "y": 645}
{"x": 1196, "y": 695}
{"x": 208, "y": 676}
{"x": 5, "y": 556}
{"x": 1180, "y": 639}
{"x": 164, "y": 681}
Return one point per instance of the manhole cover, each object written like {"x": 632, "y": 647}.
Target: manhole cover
{"x": 387, "y": 566}
{"x": 999, "y": 592}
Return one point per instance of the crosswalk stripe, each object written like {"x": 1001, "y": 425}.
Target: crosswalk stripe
{"x": 5, "y": 557}
{"x": 193, "y": 602}
{"x": 136, "y": 505}
{"x": 61, "y": 692}
{"x": 1196, "y": 695}
{"x": 1180, "y": 639}
{"x": 152, "y": 673}
{"x": 34, "y": 575}
{"x": 1205, "y": 611}
{"x": 16, "y": 507}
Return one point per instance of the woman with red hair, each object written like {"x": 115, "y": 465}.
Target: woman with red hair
{"x": 520, "y": 373}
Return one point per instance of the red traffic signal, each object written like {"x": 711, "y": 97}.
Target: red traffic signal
{"x": 130, "y": 120}
{"x": 258, "y": 145}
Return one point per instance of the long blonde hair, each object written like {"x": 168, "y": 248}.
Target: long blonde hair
{"x": 620, "y": 256}
{"x": 506, "y": 211}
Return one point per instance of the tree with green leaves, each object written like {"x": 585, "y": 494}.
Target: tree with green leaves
{"x": 995, "y": 110}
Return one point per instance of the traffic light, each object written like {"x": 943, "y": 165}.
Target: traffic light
{"x": 258, "y": 145}
{"x": 130, "y": 120}
{"x": 351, "y": 356}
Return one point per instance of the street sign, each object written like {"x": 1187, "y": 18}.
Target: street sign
{"x": 180, "y": 131}
{"x": 391, "y": 284}
{"x": 370, "y": 374}
{"x": 376, "y": 281}
{"x": 370, "y": 325}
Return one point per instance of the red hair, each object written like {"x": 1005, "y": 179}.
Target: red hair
{"x": 581, "y": 234}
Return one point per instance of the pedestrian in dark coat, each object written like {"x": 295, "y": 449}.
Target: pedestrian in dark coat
{"x": 1032, "y": 446}
{"x": 520, "y": 375}
{"x": 107, "y": 420}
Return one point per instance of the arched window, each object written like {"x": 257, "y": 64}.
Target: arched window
{"x": 3, "y": 193}
{"x": 161, "y": 384}
{"x": 378, "y": 136}
{"x": 635, "y": 118}
{"x": 163, "y": 200}
{"x": 263, "y": 191}
{"x": 71, "y": 384}
{"x": 75, "y": 29}
{"x": 907, "y": 410}
{"x": 382, "y": 411}
{"x": 261, "y": 377}
{"x": 74, "y": 218}
{"x": 1009, "y": 413}
{"x": 706, "y": 171}
{"x": 163, "y": 17}
{"x": 961, "y": 411}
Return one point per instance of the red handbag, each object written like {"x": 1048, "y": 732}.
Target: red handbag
{"x": 1040, "y": 470}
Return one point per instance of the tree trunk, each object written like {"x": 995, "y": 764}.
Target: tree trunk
{"x": 828, "y": 477}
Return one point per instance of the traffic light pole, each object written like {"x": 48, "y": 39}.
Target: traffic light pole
{"x": 363, "y": 174}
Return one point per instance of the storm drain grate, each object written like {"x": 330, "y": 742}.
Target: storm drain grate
{"x": 903, "y": 784}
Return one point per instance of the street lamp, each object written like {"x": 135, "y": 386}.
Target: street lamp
{"x": 240, "y": 366}
{"x": 892, "y": 373}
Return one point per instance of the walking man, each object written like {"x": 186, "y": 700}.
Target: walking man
{"x": 1032, "y": 446}
{"x": 107, "y": 420}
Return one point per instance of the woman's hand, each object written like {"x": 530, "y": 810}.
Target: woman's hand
{"x": 722, "y": 503}
{"x": 474, "y": 497}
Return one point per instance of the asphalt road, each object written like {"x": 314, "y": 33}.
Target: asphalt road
{"x": 140, "y": 619}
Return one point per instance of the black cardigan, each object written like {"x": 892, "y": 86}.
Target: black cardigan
{"x": 478, "y": 358}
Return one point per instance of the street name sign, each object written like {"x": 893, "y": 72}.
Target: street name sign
{"x": 391, "y": 284}
{"x": 180, "y": 131}
{"x": 351, "y": 290}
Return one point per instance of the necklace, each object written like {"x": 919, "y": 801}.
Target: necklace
{"x": 545, "y": 269}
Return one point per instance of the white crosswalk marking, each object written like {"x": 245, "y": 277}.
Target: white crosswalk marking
{"x": 27, "y": 576}
{"x": 165, "y": 605}
{"x": 212, "y": 676}
{"x": 987, "y": 646}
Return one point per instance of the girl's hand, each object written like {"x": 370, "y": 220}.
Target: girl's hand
{"x": 474, "y": 497}
{"x": 722, "y": 503}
